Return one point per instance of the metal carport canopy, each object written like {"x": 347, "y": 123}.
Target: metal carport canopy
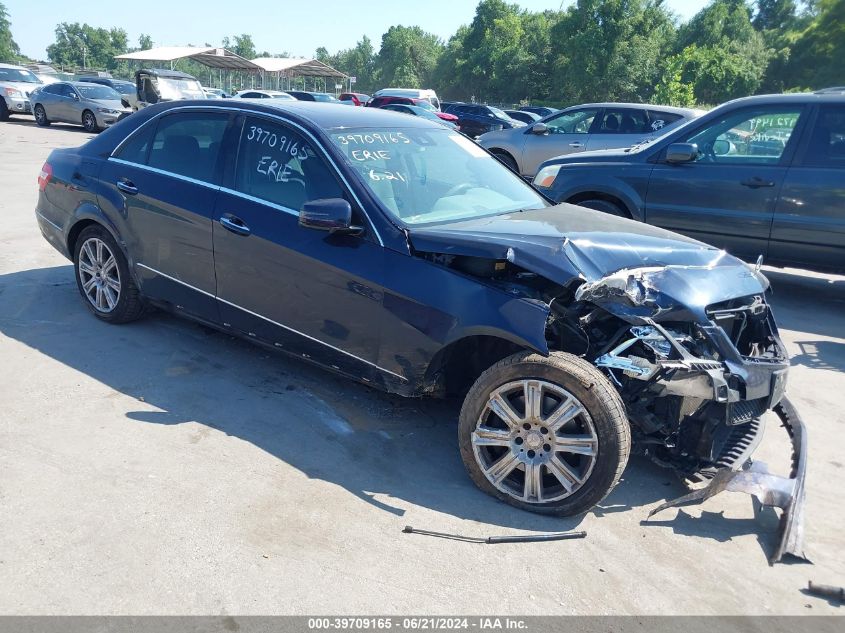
{"x": 213, "y": 57}
{"x": 297, "y": 67}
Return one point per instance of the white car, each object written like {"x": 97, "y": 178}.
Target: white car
{"x": 264, "y": 94}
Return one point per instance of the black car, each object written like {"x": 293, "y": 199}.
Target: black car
{"x": 476, "y": 119}
{"x": 397, "y": 252}
{"x": 541, "y": 111}
{"x": 758, "y": 176}
{"x": 126, "y": 88}
{"x": 302, "y": 95}
{"x": 526, "y": 117}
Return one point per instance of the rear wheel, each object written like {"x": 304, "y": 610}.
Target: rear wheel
{"x": 103, "y": 279}
{"x": 41, "y": 116}
{"x": 89, "y": 122}
{"x": 605, "y": 206}
{"x": 545, "y": 434}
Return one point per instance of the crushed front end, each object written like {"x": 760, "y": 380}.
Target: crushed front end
{"x": 696, "y": 355}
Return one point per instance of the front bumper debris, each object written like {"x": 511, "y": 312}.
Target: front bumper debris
{"x": 770, "y": 490}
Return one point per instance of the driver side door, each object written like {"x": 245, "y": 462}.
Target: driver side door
{"x": 726, "y": 197}
{"x": 568, "y": 133}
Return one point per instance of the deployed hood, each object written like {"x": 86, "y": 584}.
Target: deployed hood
{"x": 567, "y": 244}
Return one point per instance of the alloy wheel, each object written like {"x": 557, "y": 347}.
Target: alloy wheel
{"x": 535, "y": 441}
{"x": 99, "y": 274}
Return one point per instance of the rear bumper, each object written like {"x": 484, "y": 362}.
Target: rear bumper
{"x": 787, "y": 493}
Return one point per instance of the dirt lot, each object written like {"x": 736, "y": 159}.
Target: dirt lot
{"x": 163, "y": 468}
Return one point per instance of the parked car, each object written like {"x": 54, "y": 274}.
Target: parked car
{"x": 541, "y": 111}
{"x": 92, "y": 106}
{"x": 425, "y": 94}
{"x": 357, "y": 98}
{"x": 264, "y": 94}
{"x": 302, "y": 95}
{"x": 154, "y": 85}
{"x": 380, "y": 102}
{"x": 476, "y": 119}
{"x": 125, "y": 88}
{"x": 757, "y": 176}
{"x": 394, "y": 251}
{"x": 521, "y": 115}
{"x": 420, "y": 112}
{"x": 581, "y": 128}
{"x": 216, "y": 93}
{"x": 16, "y": 84}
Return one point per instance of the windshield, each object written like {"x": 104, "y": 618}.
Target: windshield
{"x": 171, "y": 88}
{"x": 433, "y": 175}
{"x": 18, "y": 74}
{"x": 499, "y": 114}
{"x": 124, "y": 87}
{"x": 322, "y": 96}
{"x": 98, "y": 92}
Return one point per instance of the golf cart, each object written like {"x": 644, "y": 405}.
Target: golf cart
{"x": 153, "y": 85}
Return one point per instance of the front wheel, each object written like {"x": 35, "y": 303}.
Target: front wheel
{"x": 41, "y": 116}
{"x": 89, "y": 122}
{"x": 544, "y": 433}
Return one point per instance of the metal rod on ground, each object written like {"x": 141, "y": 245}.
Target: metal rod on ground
{"x": 826, "y": 591}
{"x": 493, "y": 540}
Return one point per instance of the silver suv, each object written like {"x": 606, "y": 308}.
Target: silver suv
{"x": 16, "y": 82}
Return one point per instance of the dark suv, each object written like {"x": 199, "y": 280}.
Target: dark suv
{"x": 476, "y": 119}
{"x": 757, "y": 176}
{"x": 397, "y": 252}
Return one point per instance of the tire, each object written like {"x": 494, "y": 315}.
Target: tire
{"x": 588, "y": 451}
{"x": 508, "y": 161}
{"x": 107, "y": 288}
{"x": 4, "y": 110}
{"x": 89, "y": 122}
{"x": 611, "y": 208}
{"x": 40, "y": 115}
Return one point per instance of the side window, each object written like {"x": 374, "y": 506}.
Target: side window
{"x": 188, "y": 144}
{"x": 827, "y": 140}
{"x": 65, "y": 90}
{"x": 52, "y": 90}
{"x": 747, "y": 137}
{"x": 573, "y": 122}
{"x": 279, "y": 165}
{"x": 137, "y": 148}
{"x": 623, "y": 121}
{"x": 658, "y": 120}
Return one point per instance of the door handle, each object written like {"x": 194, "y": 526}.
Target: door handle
{"x": 234, "y": 224}
{"x": 127, "y": 186}
{"x": 757, "y": 182}
{"x": 576, "y": 145}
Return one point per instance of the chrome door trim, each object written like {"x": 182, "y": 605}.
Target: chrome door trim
{"x": 162, "y": 172}
{"x": 281, "y": 325}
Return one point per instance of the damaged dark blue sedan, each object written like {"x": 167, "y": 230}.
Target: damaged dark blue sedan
{"x": 399, "y": 253}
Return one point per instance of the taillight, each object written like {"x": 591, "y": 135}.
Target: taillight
{"x": 44, "y": 176}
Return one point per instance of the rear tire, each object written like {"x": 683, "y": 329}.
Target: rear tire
{"x": 89, "y": 122}
{"x": 562, "y": 455}
{"x": 41, "y": 116}
{"x": 611, "y": 208}
{"x": 103, "y": 278}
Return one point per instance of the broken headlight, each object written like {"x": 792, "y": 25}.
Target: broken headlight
{"x": 629, "y": 284}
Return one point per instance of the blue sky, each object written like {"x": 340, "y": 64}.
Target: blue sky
{"x": 277, "y": 25}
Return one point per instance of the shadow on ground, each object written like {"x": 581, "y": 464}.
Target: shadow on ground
{"x": 387, "y": 450}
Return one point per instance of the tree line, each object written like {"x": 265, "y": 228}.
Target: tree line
{"x": 593, "y": 50}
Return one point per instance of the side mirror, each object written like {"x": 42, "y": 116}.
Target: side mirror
{"x": 74, "y": 96}
{"x": 681, "y": 153}
{"x": 330, "y": 214}
{"x": 539, "y": 128}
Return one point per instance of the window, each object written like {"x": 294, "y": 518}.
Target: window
{"x": 623, "y": 121}
{"x": 279, "y": 165}
{"x": 65, "y": 91}
{"x": 252, "y": 95}
{"x": 827, "y": 140}
{"x": 188, "y": 144}
{"x": 573, "y": 122}
{"x": 54, "y": 89}
{"x": 747, "y": 137}
{"x": 658, "y": 120}
{"x": 99, "y": 92}
{"x": 137, "y": 148}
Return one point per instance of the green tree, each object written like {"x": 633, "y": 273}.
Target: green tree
{"x": 244, "y": 46}
{"x": 9, "y": 50}
{"x": 84, "y": 46}
{"x": 817, "y": 57}
{"x": 145, "y": 42}
{"x": 672, "y": 89}
{"x": 408, "y": 57}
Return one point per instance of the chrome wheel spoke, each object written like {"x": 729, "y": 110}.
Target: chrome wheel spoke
{"x": 89, "y": 253}
{"x": 111, "y": 297}
{"x": 502, "y": 468}
{"x": 113, "y": 283}
{"x": 88, "y": 285}
{"x": 99, "y": 253}
{"x": 99, "y": 274}
{"x": 578, "y": 444}
{"x": 533, "y": 393}
{"x": 504, "y": 411}
{"x": 563, "y": 473}
{"x": 86, "y": 268}
{"x": 533, "y": 487}
{"x": 109, "y": 265}
{"x": 566, "y": 411}
{"x": 485, "y": 436}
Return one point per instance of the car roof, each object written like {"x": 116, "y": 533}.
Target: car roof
{"x": 14, "y": 66}
{"x": 637, "y": 106}
{"x": 329, "y": 116}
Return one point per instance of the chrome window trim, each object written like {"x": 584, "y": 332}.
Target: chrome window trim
{"x": 273, "y": 205}
{"x": 245, "y": 111}
{"x": 162, "y": 172}
{"x": 281, "y": 325}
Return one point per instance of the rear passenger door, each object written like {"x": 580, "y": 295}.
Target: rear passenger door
{"x": 809, "y": 221}
{"x": 162, "y": 184}
{"x": 311, "y": 293}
